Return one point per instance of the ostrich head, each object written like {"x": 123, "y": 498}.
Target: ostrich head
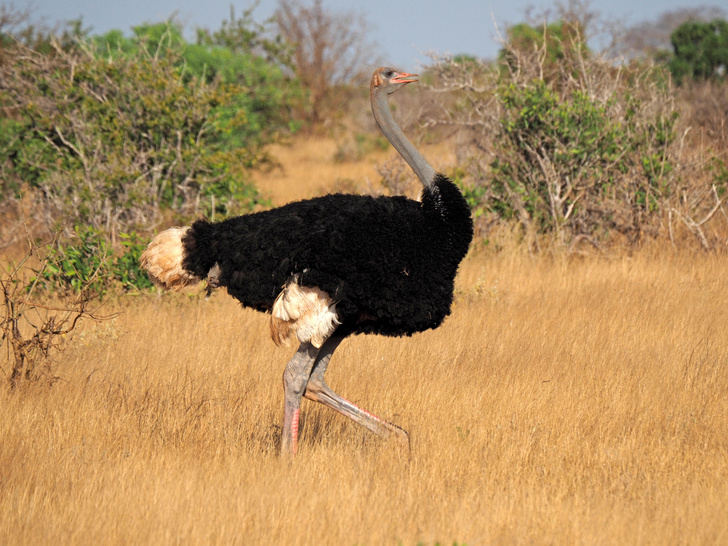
{"x": 389, "y": 80}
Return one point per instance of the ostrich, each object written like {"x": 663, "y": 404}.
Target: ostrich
{"x": 332, "y": 266}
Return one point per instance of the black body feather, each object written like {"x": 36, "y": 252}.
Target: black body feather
{"x": 388, "y": 262}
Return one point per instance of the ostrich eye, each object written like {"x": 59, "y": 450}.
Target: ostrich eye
{"x": 389, "y": 73}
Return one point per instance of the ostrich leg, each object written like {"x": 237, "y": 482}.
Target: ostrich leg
{"x": 295, "y": 378}
{"x": 319, "y": 391}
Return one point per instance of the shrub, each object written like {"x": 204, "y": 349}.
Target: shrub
{"x": 568, "y": 146}
{"x": 116, "y": 130}
{"x": 110, "y": 143}
{"x": 571, "y": 165}
{"x": 88, "y": 263}
{"x": 36, "y": 329}
{"x": 700, "y": 50}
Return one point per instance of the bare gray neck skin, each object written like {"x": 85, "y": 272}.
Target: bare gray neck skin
{"x": 383, "y": 115}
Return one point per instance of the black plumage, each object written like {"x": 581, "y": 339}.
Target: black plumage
{"x": 389, "y": 263}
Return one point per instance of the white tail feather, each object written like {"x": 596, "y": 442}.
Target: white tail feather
{"x": 163, "y": 260}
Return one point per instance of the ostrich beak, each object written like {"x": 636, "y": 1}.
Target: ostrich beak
{"x": 404, "y": 77}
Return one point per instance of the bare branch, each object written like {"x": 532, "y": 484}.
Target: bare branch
{"x": 332, "y": 49}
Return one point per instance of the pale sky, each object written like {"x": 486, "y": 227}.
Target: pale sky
{"x": 404, "y": 29}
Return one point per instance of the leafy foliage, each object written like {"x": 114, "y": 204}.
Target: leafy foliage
{"x": 115, "y": 132}
{"x": 565, "y": 161}
{"x": 562, "y": 143}
{"x": 700, "y": 50}
{"x": 89, "y": 264}
{"x": 560, "y": 42}
{"x": 237, "y": 54}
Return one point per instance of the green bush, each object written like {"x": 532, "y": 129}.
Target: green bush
{"x": 117, "y": 130}
{"x": 112, "y": 143}
{"x": 700, "y": 50}
{"x": 89, "y": 263}
{"x": 563, "y": 143}
{"x": 237, "y": 55}
{"x": 560, "y": 44}
{"x": 567, "y": 164}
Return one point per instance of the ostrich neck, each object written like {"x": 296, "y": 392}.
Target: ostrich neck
{"x": 385, "y": 120}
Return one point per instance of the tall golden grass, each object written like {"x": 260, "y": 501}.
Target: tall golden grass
{"x": 310, "y": 168}
{"x": 563, "y": 402}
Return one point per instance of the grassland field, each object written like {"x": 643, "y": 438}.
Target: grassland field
{"x": 565, "y": 401}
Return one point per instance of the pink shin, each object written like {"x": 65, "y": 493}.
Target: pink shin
{"x": 294, "y": 430}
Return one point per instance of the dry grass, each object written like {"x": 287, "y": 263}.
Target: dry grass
{"x": 309, "y": 169}
{"x": 579, "y": 402}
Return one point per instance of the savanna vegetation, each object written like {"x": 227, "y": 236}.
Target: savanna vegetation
{"x": 577, "y": 393}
